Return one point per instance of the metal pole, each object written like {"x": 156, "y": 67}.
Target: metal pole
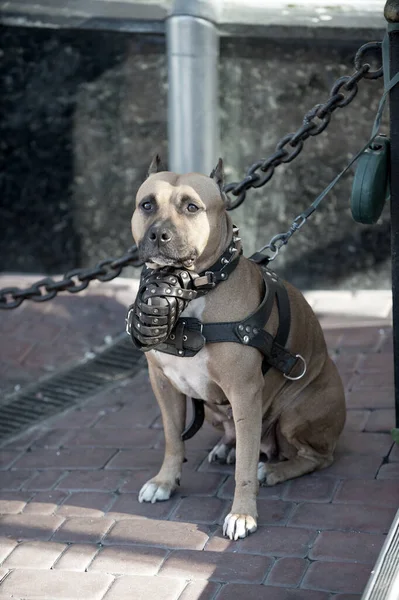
{"x": 193, "y": 103}
{"x": 392, "y": 16}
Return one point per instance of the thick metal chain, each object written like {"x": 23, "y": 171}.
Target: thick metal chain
{"x": 74, "y": 281}
{"x": 315, "y": 122}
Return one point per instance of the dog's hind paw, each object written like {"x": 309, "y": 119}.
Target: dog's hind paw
{"x": 238, "y": 526}
{"x": 223, "y": 454}
{"x": 154, "y": 491}
{"x": 267, "y": 475}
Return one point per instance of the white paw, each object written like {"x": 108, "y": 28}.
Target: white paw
{"x": 222, "y": 453}
{"x": 154, "y": 491}
{"x": 238, "y": 526}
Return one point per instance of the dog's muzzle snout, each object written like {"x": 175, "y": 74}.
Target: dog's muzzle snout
{"x": 159, "y": 235}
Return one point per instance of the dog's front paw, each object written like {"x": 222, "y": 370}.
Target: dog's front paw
{"x": 239, "y": 526}
{"x": 156, "y": 491}
{"x": 222, "y": 453}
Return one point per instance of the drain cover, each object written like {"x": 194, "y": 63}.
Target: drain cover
{"x": 57, "y": 393}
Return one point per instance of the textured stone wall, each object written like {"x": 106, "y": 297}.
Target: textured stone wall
{"x": 82, "y": 112}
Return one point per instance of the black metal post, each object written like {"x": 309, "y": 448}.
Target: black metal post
{"x": 392, "y": 16}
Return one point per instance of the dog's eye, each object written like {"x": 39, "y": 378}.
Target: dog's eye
{"x": 192, "y": 208}
{"x": 146, "y": 206}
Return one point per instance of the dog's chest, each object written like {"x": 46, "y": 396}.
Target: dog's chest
{"x": 188, "y": 374}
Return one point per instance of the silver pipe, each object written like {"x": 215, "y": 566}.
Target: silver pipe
{"x": 193, "y": 103}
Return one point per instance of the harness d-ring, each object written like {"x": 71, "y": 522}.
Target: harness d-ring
{"x": 303, "y": 372}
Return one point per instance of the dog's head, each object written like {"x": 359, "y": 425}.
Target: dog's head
{"x": 181, "y": 220}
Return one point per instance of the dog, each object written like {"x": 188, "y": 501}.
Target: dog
{"x": 274, "y": 428}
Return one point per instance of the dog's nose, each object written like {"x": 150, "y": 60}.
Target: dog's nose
{"x": 161, "y": 235}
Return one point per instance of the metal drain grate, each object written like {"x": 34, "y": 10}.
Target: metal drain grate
{"x": 384, "y": 581}
{"x": 57, "y": 393}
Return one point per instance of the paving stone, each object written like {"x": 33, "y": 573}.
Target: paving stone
{"x": 134, "y": 560}
{"x": 382, "y": 362}
{"x": 382, "y": 419}
{"x": 364, "y": 338}
{"x": 356, "y": 420}
{"x": 34, "y": 555}
{"x": 6, "y": 547}
{"x": 371, "y": 398}
{"x": 144, "y": 587}
{"x": 83, "y": 530}
{"x": 12, "y": 350}
{"x": 55, "y": 584}
{"x": 45, "y": 503}
{"x": 55, "y": 438}
{"x": 24, "y": 439}
{"x": 273, "y": 512}
{"x": 135, "y": 481}
{"x": 76, "y": 419}
{"x": 115, "y": 438}
{"x": 149, "y": 459}
{"x": 368, "y": 491}
{"x": 371, "y": 519}
{"x": 274, "y": 492}
{"x": 13, "y": 480}
{"x": 200, "y": 510}
{"x": 216, "y": 566}
{"x": 234, "y": 591}
{"x": 353, "y": 442}
{"x": 199, "y": 484}
{"x": 86, "y": 504}
{"x": 374, "y": 379}
{"x": 313, "y": 488}
{"x": 29, "y": 527}
{"x": 42, "y": 480}
{"x": 93, "y": 481}
{"x": 272, "y": 541}
{"x": 8, "y": 457}
{"x": 348, "y": 363}
{"x": 389, "y": 471}
{"x": 324, "y": 576}
{"x": 355, "y": 466}
{"x": 140, "y": 415}
{"x": 12, "y": 503}
{"x": 287, "y": 572}
{"x": 127, "y": 506}
{"x": 347, "y": 546}
{"x": 65, "y": 458}
{"x": 347, "y": 597}
{"x": 200, "y": 590}
{"x": 150, "y": 532}
{"x": 77, "y": 557}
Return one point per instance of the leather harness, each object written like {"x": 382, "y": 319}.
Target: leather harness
{"x": 154, "y": 321}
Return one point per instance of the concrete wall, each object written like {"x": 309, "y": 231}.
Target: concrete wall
{"x": 82, "y": 112}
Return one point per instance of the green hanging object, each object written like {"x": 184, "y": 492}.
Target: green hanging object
{"x": 370, "y": 188}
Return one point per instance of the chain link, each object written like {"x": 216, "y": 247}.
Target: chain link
{"x": 74, "y": 281}
{"x": 288, "y": 148}
{"x": 315, "y": 122}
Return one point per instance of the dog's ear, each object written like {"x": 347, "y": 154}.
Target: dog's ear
{"x": 156, "y": 166}
{"x": 218, "y": 174}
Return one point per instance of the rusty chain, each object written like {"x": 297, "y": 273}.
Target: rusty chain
{"x": 289, "y": 147}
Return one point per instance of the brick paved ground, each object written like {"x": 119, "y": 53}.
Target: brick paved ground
{"x": 72, "y": 527}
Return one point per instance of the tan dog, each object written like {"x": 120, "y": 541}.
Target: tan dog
{"x": 181, "y": 220}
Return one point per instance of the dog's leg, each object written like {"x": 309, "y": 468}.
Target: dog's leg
{"x": 173, "y": 409}
{"x": 247, "y": 413}
{"x": 271, "y": 474}
{"x": 224, "y": 451}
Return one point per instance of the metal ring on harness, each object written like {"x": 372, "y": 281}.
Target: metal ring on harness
{"x": 303, "y": 372}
